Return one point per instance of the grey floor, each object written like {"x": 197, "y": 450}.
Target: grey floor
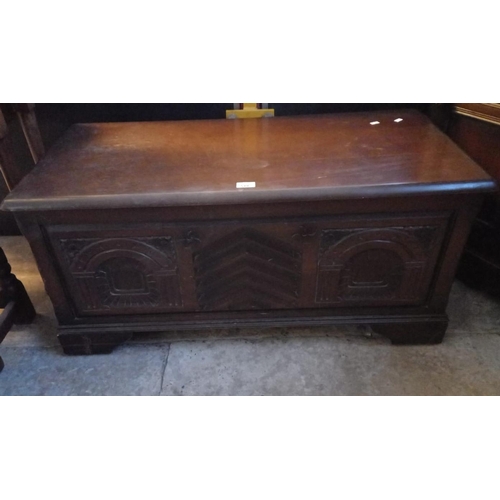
{"x": 317, "y": 361}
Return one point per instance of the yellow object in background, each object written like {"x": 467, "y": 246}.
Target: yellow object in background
{"x": 250, "y": 110}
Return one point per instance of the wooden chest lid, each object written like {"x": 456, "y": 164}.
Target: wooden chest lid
{"x": 151, "y": 164}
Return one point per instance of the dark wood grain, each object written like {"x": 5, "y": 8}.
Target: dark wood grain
{"x": 140, "y": 227}
{"x": 199, "y": 162}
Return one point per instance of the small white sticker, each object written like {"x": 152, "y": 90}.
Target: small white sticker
{"x": 245, "y": 184}
{"x": 374, "y": 123}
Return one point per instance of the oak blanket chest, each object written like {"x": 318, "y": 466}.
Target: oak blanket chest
{"x": 312, "y": 220}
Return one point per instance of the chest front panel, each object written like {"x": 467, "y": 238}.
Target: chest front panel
{"x": 266, "y": 264}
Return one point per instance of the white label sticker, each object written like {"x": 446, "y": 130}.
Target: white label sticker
{"x": 245, "y": 184}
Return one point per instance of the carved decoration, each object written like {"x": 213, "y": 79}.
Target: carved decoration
{"x": 191, "y": 238}
{"x": 247, "y": 269}
{"x": 305, "y": 232}
{"x": 374, "y": 265}
{"x": 120, "y": 273}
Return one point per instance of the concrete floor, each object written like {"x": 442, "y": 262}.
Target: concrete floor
{"x": 317, "y": 361}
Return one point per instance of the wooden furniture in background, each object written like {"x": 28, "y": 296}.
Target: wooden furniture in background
{"x": 476, "y": 129}
{"x": 8, "y": 166}
{"x": 27, "y": 117}
{"x": 349, "y": 218}
{"x": 16, "y": 305}
{"x": 15, "y": 302}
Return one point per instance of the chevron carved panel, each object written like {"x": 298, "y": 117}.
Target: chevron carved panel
{"x": 247, "y": 269}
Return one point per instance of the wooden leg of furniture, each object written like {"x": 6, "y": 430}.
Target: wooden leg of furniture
{"x": 11, "y": 289}
{"x": 7, "y": 319}
{"x": 16, "y": 304}
{"x": 6, "y": 322}
{"x": 411, "y": 333}
{"x": 91, "y": 343}
{"x": 25, "y": 312}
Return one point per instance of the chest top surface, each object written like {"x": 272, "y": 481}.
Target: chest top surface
{"x": 148, "y": 164}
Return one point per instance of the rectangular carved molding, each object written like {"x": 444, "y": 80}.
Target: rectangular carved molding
{"x": 380, "y": 265}
{"x": 115, "y": 275}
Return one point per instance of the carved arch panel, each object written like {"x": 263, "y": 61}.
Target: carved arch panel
{"x": 117, "y": 275}
{"x": 376, "y": 265}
